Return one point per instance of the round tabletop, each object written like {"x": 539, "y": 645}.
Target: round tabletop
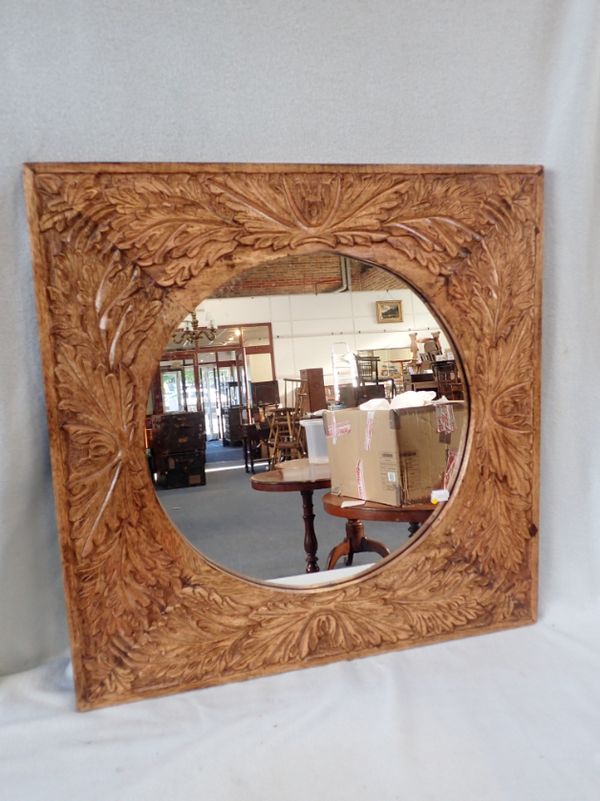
{"x": 295, "y": 474}
{"x": 369, "y": 510}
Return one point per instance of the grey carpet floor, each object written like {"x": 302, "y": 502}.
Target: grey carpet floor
{"x": 260, "y": 534}
{"x": 216, "y": 452}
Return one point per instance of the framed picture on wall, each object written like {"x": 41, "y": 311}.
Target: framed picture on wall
{"x": 389, "y": 311}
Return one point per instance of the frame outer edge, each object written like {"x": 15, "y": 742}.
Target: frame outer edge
{"x": 116, "y": 167}
{"x": 538, "y": 354}
{"x": 57, "y": 456}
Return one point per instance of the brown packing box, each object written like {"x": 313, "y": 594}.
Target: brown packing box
{"x": 396, "y": 456}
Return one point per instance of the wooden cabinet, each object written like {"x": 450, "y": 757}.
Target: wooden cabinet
{"x": 353, "y": 396}
{"x": 178, "y": 449}
{"x": 233, "y": 418}
{"x": 313, "y": 386}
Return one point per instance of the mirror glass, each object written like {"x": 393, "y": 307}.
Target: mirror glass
{"x": 236, "y": 470}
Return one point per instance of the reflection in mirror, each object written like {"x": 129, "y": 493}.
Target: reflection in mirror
{"x": 237, "y": 471}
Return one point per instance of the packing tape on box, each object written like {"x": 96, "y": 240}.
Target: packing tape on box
{"x": 451, "y": 467}
{"x": 360, "y": 480}
{"x": 369, "y": 430}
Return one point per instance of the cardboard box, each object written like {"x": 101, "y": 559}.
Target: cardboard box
{"x": 395, "y": 456}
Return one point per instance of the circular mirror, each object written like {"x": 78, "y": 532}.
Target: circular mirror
{"x": 306, "y": 420}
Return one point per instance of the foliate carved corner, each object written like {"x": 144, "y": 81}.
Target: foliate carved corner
{"x": 117, "y": 251}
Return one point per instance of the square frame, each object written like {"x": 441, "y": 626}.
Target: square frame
{"x": 122, "y": 252}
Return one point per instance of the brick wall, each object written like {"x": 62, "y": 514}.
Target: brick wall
{"x": 312, "y": 274}
{"x": 367, "y": 279}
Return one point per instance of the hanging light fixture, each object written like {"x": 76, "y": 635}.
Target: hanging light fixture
{"x": 193, "y": 333}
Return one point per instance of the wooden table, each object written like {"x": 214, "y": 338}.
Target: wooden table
{"x": 298, "y": 475}
{"x": 356, "y": 541}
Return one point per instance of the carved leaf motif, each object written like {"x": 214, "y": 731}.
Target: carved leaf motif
{"x": 124, "y": 575}
{"x": 502, "y": 372}
{"x": 452, "y": 222}
{"x": 300, "y": 209}
{"x": 497, "y": 533}
{"x": 161, "y": 220}
{"x": 425, "y": 597}
{"x": 95, "y": 387}
{"x": 495, "y": 297}
{"x": 491, "y": 298}
{"x": 106, "y": 475}
{"x": 183, "y": 224}
{"x": 124, "y": 584}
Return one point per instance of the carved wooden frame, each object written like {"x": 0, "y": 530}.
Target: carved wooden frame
{"x": 121, "y": 252}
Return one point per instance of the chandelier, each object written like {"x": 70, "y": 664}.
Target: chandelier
{"x": 191, "y": 334}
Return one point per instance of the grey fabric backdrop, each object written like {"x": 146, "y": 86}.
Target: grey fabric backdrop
{"x": 470, "y": 81}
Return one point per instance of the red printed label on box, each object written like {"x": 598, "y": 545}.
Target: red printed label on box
{"x": 337, "y": 430}
{"x": 444, "y": 415}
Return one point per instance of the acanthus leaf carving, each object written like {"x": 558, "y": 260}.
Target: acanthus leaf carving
{"x": 175, "y": 227}
{"x": 496, "y": 297}
{"x": 123, "y": 574}
{"x": 429, "y": 597}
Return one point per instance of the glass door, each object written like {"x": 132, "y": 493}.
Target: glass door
{"x": 191, "y": 395}
{"x": 172, "y": 383}
{"x": 228, "y": 387}
{"x": 210, "y": 400}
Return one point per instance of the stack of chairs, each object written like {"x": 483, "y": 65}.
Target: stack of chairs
{"x": 286, "y": 435}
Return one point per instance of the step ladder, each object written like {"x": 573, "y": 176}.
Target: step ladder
{"x": 343, "y": 366}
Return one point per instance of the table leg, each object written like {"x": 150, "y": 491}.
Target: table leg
{"x": 246, "y": 445}
{"x": 355, "y": 542}
{"x": 310, "y": 538}
{"x": 336, "y": 553}
{"x": 251, "y": 455}
{"x": 355, "y": 532}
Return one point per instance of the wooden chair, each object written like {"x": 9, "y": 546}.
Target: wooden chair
{"x": 369, "y": 383}
{"x": 367, "y": 368}
{"x": 449, "y": 382}
{"x": 284, "y": 437}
